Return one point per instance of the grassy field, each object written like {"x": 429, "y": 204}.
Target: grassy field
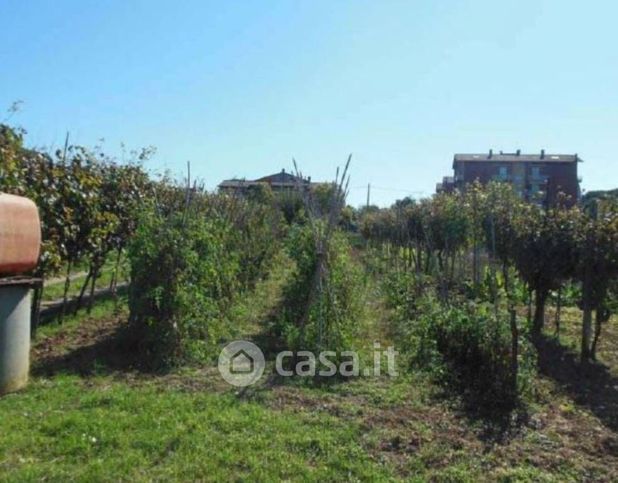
{"x": 90, "y": 413}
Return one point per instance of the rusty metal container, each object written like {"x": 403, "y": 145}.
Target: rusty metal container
{"x": 20, "y": 241}
{"x": 20, "y": 234}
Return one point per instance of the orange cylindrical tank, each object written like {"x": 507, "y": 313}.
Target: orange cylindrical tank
{"x": 20, "y": 234}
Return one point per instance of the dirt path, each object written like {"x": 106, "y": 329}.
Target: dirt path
{"x": 57, "y": 280}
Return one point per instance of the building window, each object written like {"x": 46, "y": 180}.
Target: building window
{"x": 502, "y": 173}
{"x": 536, "y": 172}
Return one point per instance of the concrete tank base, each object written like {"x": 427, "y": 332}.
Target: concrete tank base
{"x": 14, "y": 337}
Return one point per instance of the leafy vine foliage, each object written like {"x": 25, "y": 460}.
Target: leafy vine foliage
{"x": 191, "y": 258}
{"x": 87, "y": 202}
{"x": 487, "y": 246}
{"x": 320, "y": 311}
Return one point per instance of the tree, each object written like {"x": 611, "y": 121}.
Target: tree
{"x": 545, "y": 252}
{"x": 597, "y": 265}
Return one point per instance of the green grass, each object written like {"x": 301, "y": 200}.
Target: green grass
{"x": 102, "y": 428}
{"x": 67, "y": 428}
{"x": 102, "y": 309}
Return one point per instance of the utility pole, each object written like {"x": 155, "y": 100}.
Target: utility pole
{"x": 368, "y": 193}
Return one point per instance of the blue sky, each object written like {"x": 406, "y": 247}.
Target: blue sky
{"x": 239, "y": 88}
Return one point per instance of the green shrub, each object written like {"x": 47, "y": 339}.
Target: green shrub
{"x": 478, "y": 348}
{"x": 403, "y": 290}
{"x": 257, "y": 232}
{"x": 462, "y": 343}
{"x": 183, "y": 277}
{"x": 321, "y": 311}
